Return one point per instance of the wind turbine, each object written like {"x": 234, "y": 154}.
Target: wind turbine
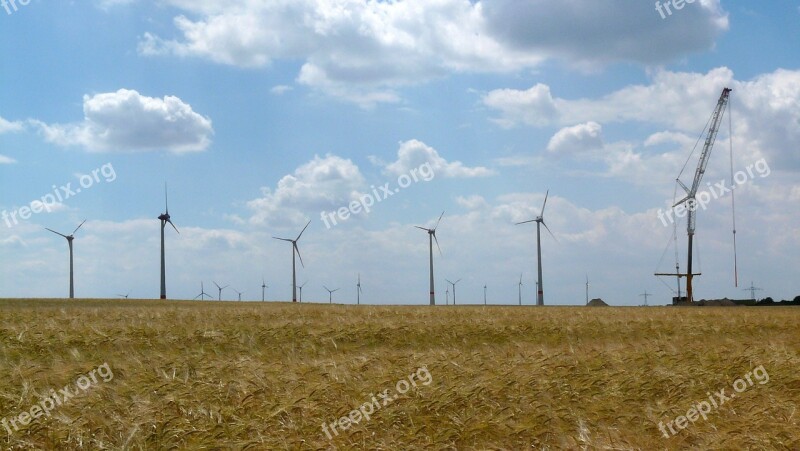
{"x": 165, "y": 218}
{"x": 431, "y": 239}
{"x": 239, "y": 293}
{"x": 220, "y": 290}
{"x": 124, "y": 295}
{"x": 301, "y": 290}
{"x": 69, "y": 239}
{"x": 484, "y": 295}
{"x": 520, "y": 289}
{"x": 358, "y": 290}
{"x": 295, "y": 250}
{"x": 539, "y": 222}
{"x": 447, "y": 296}
{"x": 263, "y": 288}
{"x": 587, "y": 291}
{"x": 330, "y": 293}
{"x": 203, "y": 293}
{"x": 454, "y": 289}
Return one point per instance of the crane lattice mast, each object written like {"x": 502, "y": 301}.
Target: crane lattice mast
{"x": 690, "y": 200}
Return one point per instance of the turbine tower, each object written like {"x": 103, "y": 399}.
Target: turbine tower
{"x": 165, "y": 218}
{"x": 220, "y": 290}
{"x": 431, "y": 239}
{"x": 295, "y": 251}
{"x": 519, "y": 286}
{"x": 358, "y": 290}
{"x": 587, "y": 291}
{"x": 454, "y": 289}
{"x": 447, "y": 296}
{"x": 484, "y": 295}
{"x": 540, "y": 222}
{"x": 330, "y": 293}
{"x": 264, "y": 286}
{"x": 203, "y": 293}
{"x": 301, "y": 290}
{"x": 69, "y": 239}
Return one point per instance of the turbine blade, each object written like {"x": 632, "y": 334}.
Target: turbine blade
{"x": 215, "y": 283}
{"x": 448, "y": 281}
{"x": 173, "y": 226}
{"x": 437, "y": 244}
{"x": 438, "y": 221}
{"x": 548, "y": 230}
{"x": 525, "y": 222}
{"x": 326, "y": 288}
{"x": 459, "y": 280}
{"x": 297, "y": 249}
{"x": 56, "y": 232}
{"x": 166, "y": 199}
{"x": 304, "y": 229}
{"x": 545, "y": 203}
{"x": 282, "y": 239}
{"x": 423, "y": 228}
{"x": 76, "y": 229}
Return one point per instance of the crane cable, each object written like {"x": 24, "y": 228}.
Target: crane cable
{"x": 733, "y": 197}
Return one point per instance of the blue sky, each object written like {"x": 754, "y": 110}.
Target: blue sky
{"x": 261, "y": 115}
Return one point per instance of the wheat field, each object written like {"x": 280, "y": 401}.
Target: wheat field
{"x": 191, "y": 375}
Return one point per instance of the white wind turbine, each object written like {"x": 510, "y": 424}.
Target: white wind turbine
{"x": 454, "y": 289}
{"x": 520, "y": 289}
{"x": 358, "y": 290}
{"x": 264, "y": 286}
{"x": 431, "y": 239}
{"x": 240, "y": 293}
{"x": 330, "y": 293}
{"x": 69, "y": 239}
{"x": 295, "y": 251}
{"x": 203, "y": 293}
{"x": 301, "y": 290}
{"x": 165, "y": 218}
{"x": 539, "y": 222}
{"x": 220, "y": 290}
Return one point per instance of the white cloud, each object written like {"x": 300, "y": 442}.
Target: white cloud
{"x": 578, "y": 139}
{"x": 128, "y": 121}
{"x": 413, "y": 153}
{"x": 766, "y": 110}
{"x": 10, "y": 127}
{"x": 280, "y": 89}
{"x": 321, "y": 184}
{"x": 6, "y": 160}
{"x": 363, "y": 50}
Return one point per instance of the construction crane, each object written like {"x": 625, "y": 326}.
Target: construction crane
{"x": 691, "y": 192}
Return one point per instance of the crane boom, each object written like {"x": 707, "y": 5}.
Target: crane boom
{"x": 691, "y": 193}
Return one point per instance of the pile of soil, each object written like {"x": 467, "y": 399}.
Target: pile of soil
{"x": 597, "y": 303}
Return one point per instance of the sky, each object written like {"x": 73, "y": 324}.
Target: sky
{"x": 261, "y": 116}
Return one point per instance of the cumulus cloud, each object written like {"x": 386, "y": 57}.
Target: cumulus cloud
{"x": 323, "y": 183}
{"x": 125, "y": 121}
{"x": 363, "y": 50}
{"x": 413, "y": 153}
{"x": 577, "y": 139}
{"x": 766, "y": 110}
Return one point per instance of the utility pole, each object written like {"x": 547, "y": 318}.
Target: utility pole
{"x": 646, "y": 295}
{"x": 752, "y": 291}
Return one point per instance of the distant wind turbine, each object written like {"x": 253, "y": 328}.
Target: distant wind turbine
{"x": 330, "y": 293}
{"x": 539, "y": 222}
{"x": 520, "y": 289}
{"x": 263, "y": 288}
{"x": 431, "y": 239}
{"x": 295, "y": 250}
{"x": 447, "y": 296}
{"x": 69, "y": 239}
{"x": 587, "y": 291}
{"x": 301, "y": 290}
{"x": 203, "y": 293}
{"x": 358, "y": 290}
{"x": 124, "y": 295}
{"x": 454, "y": 289}
{"x": 220, "y": 290}
{"x": 484, "y": 295}
{"x": 239, "y": 293}
{"x": 165, "y": 218}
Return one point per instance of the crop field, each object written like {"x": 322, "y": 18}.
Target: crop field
{"x": 189, "y": 375}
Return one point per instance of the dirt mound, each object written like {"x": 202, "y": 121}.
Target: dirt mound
{"x": 597, "y": 303}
